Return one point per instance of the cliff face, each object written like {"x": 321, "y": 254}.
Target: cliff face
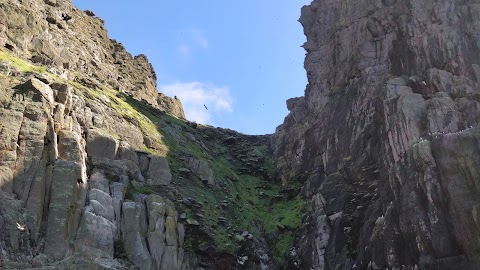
{"x": 70, "y": 41}
{"x": 385, "y": 140}
{"x": 100, "y": 171}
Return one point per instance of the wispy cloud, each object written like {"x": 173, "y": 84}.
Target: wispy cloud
{"x": 195, "y": 96}
{"x": 200, "y": 39}
{"x": 191, "y": 40}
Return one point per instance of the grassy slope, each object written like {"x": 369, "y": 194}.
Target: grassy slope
{"x": 247, "y": 195}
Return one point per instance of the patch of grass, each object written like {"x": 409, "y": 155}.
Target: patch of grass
{"x": 283, "y": 243}
{"x": 132, "y": 190}
{"x": 20, "y": 64}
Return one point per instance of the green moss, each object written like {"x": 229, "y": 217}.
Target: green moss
{"x": 132, "y": 190}
{"x": 283, "y": 243}
{"x": 20, "y": 64}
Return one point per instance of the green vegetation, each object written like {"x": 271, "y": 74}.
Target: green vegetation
{"x": 20, "y": 64}
{"x": 242, "y": 196}
{"x": 145, "y": 189}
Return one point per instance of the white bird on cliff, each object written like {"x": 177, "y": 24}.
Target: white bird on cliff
{"x": 21, "y": 227}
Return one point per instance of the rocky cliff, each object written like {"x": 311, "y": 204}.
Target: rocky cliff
{"x": 385, "y": 140}
{"x": 376, "y": 167}
{"x": 100, "y": 171}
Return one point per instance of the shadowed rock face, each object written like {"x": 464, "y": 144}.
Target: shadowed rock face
{"x": 385, "y": 138}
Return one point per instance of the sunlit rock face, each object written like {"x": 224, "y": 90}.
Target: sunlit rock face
{"x": 385, "y": 140}
{"x": 71, "y": 42}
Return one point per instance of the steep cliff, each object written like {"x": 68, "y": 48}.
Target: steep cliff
{"x": 385, "y": 140}
{"x": 100, "y": 171}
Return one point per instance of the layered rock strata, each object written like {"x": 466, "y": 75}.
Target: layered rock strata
{"x": 385, "y": 139}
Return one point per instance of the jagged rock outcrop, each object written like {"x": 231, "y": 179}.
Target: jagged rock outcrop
{"x": 71, "y": 41}
{"x": 384, "y": 140}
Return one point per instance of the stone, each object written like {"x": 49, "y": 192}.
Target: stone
{"x": 99, "y": 181}
{"x": 201, "y": 168}
{"x": 65, "y": 190}
{"x": 171, "y": 235}
{"x": 193, "y": 222}
{"x": 125, "y": 151}
{"x": 63, "y": 94}
{"x": 157, "y": 208}
{"x": 156, "y": 245}
{"x": 181, "y": 234}
{"x": 6, "y": 179}
{"x": 169, "y": 258}
{"x": 101, "y": 204}
{"x": 159, "y": 171}
{"x": 379, "y": 134}
{"x": 172, "y": 106}
{"x": 118, "y": 194}
{"x": 101, "y": 145}
{"x": 38, "y": 91}
{"x": 52, "y": 3}
{"x": 134, "y": 231}
{"x": 95, "y": 236}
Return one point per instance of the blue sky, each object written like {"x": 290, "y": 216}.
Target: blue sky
{"x": 241, "y": 58}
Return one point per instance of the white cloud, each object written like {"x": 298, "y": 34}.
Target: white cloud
{"x": 196, "y": 95}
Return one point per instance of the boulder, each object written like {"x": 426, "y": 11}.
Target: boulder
{"x": 95, "y": 236}
{"x": 101, "y": 204}
{"x": 36, "y": 91}
{"x": 159, "y": 171}
{"x": 201, "y": 168}
{"x": 99, "y": 181}
{"x": 101, "y": 145}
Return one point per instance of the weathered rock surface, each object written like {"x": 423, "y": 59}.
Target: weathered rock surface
{"x": 158, "y": 171}
{"x": 72, "y": 40}
{"x": 383, "y": 141}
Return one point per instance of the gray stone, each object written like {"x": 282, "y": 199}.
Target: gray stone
{"x": 95, "y": 237}
{"x": 156, "y": 245}
{"x": 62, "y": 208}
{"x": 6, "y": 179}
{"x": 201, "y": 168}
{"x": 101, "y": 145}
{"x": 181, "y": 234}
{"x": 159, "y": 171}
{"x": 134, "y": 231}
{"x": 171, "y": 235}
{"x": 40, "y": 91}
{"x": 102, "y": 204}
{"x": 118, "y": 195}
{"x": 99, "y": 181}
{"x": 169, "y": 258}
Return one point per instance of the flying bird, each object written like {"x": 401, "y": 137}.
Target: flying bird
{"x": 205, "y": 107}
